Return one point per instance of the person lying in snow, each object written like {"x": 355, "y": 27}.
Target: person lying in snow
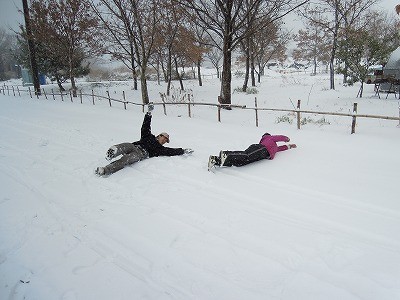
{"x": 265, "y": 149}
{"x": 148, "y": 146}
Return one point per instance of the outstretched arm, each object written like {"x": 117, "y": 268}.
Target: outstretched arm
{"x": 280, "y": 138}
{"x": 166, "y": 151}
{"x": 146, "y": 126}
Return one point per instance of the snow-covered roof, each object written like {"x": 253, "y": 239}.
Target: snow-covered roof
{"x": 394, "y": 60}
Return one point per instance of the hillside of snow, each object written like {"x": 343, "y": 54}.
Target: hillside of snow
{"x": 318, "y": 222}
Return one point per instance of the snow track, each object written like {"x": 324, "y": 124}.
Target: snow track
{"x": 165, "y": 228}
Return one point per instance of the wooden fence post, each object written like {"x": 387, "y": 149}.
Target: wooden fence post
{"x": 93, "y": 97}
{"x": 62, "y": 96}
{"x": 52, "y": 92}
{"x": 19, "y": 94}
{"x": 109, "y": 99}
{"x": 8, "y": 90}
{"x": 189, "y": 110}
{"x": 219, "y": 109}
{"x": 13, "y": 91}
{"x": 44, "y": 92}
{"x": 298, "y": 114}
{"x": 164, "y": 106}
{"x": 123, "y": 96}
{"x": 30, "y": 92}
{"x": 80, "y": 95}
{"x": 256, "y": 110}
{"x": 70, "y": 95}
{"x": 353, "y": 123}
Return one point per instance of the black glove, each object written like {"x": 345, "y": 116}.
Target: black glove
{"x": 150, "y": 107}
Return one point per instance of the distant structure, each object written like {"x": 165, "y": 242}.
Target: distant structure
{"x": 391, "y": 70}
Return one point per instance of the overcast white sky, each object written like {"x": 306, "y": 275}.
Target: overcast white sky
{"x": 10, "y": 18}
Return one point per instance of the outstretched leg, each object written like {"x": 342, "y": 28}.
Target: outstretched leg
{"x": 116, "y": 150}
{"x": 135, "y": 155}
{"x": 253, "y": 153}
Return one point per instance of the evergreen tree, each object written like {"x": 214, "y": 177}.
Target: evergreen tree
{"x": 365, "y": 46}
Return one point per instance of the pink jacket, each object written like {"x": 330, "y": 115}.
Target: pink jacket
{"x": 269, "y": 142}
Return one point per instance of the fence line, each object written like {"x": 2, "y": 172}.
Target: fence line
{"x": 6, "y": 89}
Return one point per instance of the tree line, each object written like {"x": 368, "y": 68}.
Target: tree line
{"x": 168, "y": 37}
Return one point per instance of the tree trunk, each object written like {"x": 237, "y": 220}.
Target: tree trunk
{"x": 199, "y": 72}
{"x": 177, "y": 73}
{"x": 143, "y": 84}
{"x": 158, "y": 71}
{"x": 73, "y": 84}
{"x": 32, "y": 50}
{"x": 252, "y": 70}
{"x": 226, "y": 83}
{"x": 246, "y": 75}
{"x": 334, "y": 45}
{"x": 315, "y": 65}
{"x": 226, "y": 79}
{"x": 133, "y": 66}
{"x": 260, "y": 72}
{"x": 135, "y": 83}
{"x": 332, "y": 74}
{"x": 169, "y": 72}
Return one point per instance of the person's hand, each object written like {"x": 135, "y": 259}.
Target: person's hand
{"x": 188, "y": 151}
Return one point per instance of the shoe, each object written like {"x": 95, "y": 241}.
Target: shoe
{"x": 222, "y": 157}
{"x": 111, "y": 153}
{"x": 213, "y": 161}
{"x": 99, "y": 171}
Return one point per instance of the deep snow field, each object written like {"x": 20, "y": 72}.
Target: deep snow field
{"x": 318, "y": 222}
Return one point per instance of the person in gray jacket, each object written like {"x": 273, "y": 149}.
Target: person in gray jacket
{"x": 148, "y": 146}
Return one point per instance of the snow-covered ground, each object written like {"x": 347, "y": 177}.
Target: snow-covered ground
{"x": 318, "y": 222}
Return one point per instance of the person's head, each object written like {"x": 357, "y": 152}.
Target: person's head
{"x": 163, "y": 138}
{"x": 265, "y": 134}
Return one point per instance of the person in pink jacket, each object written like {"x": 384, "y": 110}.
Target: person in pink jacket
{"x": 265, "y": 149}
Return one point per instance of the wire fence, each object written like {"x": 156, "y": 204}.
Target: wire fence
{"x": 68, "y": 96}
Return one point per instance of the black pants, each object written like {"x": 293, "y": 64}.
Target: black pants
{"x": 253, "y": 153}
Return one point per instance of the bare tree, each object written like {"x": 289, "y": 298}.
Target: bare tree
{"x": 199, "y": 48}
{"x": 313, "y": 46}
{"x": 332, "y": 16}
{"x": 68, "y": 29}
{"x": 227, "y": 19}
{"x": 139, "y": 19}
{"x": 215, "y": 55}
{"x": 118, "y": 37}
{"x": 262, "y": 46}
{"x": 270, "y": 44}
